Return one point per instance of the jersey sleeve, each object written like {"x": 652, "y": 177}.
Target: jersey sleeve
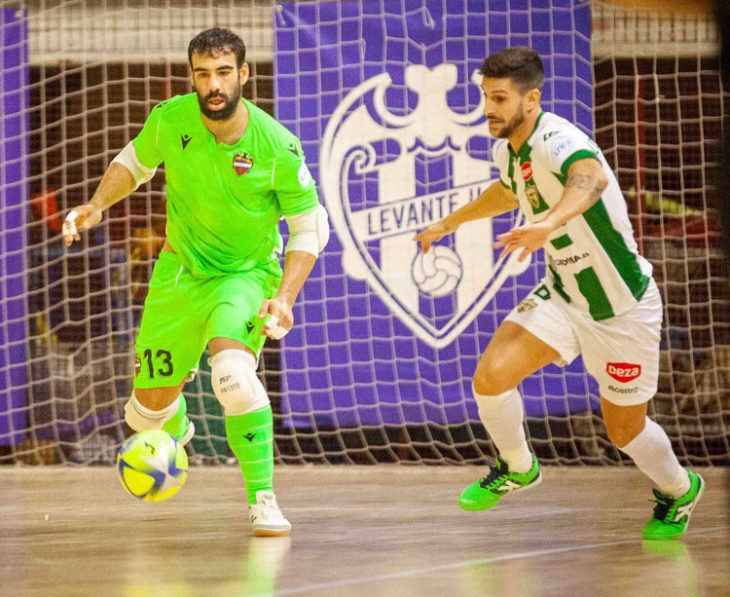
{"x": 500, "y": 155}
{"x": 147, "y": 143}
{"x": 566, "y": 147}
{"x": 292, "y": 181}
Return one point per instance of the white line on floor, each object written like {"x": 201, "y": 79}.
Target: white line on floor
{"x": 456, "y": 565}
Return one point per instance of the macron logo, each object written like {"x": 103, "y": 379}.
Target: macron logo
{"x": 623, "y": 372}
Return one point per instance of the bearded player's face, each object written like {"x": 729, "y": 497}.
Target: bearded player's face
{"x": 218, "y": 83}
{"x": 504, "y": 106}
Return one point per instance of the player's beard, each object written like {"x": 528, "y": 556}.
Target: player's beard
{"x": 226, "y": 111}
{"x": 515, "y": 122}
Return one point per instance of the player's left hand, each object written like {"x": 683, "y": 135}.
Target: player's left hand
{"x": 280, "y": 317}
{"x": 529, "y": 238}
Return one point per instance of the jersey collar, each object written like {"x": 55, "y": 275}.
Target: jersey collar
{"x": 245, "y": 135}
{"x": 525, "y": 144}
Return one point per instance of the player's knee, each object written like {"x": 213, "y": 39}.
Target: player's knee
{"x": 488, "y": 381}
{"x": 235, "y": 384}
{"x": 141, "y": 418}
{"x": 622, "y": 435}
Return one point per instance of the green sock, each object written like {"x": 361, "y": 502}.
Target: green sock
{"x": 177, "y": 427}
{"x": 251, "y": 437}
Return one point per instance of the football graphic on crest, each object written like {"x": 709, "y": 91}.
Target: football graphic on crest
{"x": 438, "y": 272}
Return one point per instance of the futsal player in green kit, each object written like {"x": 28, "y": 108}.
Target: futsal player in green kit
{"x": 231, "y": 172}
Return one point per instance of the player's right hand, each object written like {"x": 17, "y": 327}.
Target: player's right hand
{"x": 435, "y": 232}
{"x": 79, "y": 218}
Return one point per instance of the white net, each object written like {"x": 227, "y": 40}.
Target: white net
{"x": 358, "y": 380}
{"x": 659, "y": 114}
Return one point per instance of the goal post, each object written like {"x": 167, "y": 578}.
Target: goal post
{"x": 383, "y": 95}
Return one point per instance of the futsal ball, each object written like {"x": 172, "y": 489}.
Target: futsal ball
{"x": 438, "y": 272}
{"x": 152, "y": 465}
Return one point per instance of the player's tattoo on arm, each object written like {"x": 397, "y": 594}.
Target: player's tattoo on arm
{"x": 585, "y": 183}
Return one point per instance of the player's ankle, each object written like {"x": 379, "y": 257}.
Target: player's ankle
{"x": 519, "y": 459}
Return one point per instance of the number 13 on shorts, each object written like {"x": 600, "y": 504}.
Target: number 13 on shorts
{"x": 154, "y": 368}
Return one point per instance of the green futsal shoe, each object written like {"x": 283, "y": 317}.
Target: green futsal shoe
{"x": 180, "y": 426}
{"x": 671, "y": 515}
{"x": 183, "y": 430}
{"x": 500, "y": 481}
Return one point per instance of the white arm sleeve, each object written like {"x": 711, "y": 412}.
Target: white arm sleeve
{"x": 308, "y": 231}
{"x": 128, "y": 158}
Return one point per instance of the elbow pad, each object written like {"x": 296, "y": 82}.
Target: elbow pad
{"x": 309, "y": 231}
{"x": 128, "y": 158}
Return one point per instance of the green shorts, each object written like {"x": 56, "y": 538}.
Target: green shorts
{"x": 182, "y": 313}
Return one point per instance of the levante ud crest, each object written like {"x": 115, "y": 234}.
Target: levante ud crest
{"x": 386, "y": 176}
{"x": 242, "y": 163}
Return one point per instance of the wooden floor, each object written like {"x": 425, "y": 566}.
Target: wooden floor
{"x": 356, "y": 531}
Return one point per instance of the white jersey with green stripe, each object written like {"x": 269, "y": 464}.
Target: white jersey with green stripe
{"x": 592, "y": 261}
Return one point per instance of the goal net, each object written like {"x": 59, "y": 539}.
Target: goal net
{"x": 382, "y": 94}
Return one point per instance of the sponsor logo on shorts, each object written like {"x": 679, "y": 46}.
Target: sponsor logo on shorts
{"x": 526, "y": 305}
{"x": 613, "y": 388}
{"x": 623, "y": 372}
{"x": 527, "y": 170}
{"x": 242, "y": 163}
{"x": 569, "y": 260}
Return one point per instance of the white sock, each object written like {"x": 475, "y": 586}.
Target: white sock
{"x": 502, "y": 417}
{"x": 652, "y": 453}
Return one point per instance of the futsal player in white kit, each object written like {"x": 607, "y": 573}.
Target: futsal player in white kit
{"x": 598, "y": 298}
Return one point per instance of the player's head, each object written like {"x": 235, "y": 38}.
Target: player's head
{"x": 512, "y": 82}
{"x": 218, "y": 70}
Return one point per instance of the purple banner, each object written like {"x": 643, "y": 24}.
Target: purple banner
{"x": 385, "y": 97}
{"x": 13, "y": 219}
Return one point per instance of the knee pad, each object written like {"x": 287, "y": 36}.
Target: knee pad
{"x": 234, "y": 381}
{"x": 141, "y": 418}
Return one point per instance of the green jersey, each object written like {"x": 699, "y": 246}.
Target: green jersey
{"x": 224, "y": 201}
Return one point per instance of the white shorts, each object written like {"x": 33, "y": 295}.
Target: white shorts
{"x": 622, "y": 352}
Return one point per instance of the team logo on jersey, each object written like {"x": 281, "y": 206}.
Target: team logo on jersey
{"x": 532, "y": 195}
{"x": 242, "y": 163}
{"x": 386, "y": 175}
{"x": 527, "y": 304}
{"x": 623, "y": 372}
{"x": 137, "y": 365}
{"x": 527, "y": 170}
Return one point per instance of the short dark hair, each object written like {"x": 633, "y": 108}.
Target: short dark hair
{"x": 217, "y": 40}
{"x": 521, "y": 64}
